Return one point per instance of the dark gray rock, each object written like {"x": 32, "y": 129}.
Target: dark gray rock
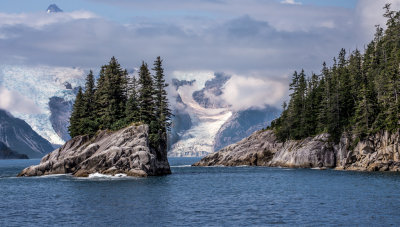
{"x": 122, "y": 152}
{"x": 19, "y": 136}
{"x": 59, "y": 118}
{"x": 179, "y": 83}
{"x": 213, "y": 88}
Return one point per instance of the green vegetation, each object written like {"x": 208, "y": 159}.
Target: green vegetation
{"x": 118, "y": 100}
{"x": 359, "y": 94}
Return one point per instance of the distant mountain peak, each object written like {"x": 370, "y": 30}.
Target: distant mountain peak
{"x": 53, "y": 8}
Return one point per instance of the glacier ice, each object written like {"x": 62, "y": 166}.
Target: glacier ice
{"x": 199, "y": 139}
{"x": 40, "y": 83}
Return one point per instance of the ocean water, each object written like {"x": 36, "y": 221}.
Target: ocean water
{"x": 201, "y": 196}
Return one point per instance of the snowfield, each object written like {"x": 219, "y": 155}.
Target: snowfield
{"x": 199, "y": 139}
{"x": 38, "y": 84}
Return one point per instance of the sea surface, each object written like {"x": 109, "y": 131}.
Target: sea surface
{"x": 201, "y": 196}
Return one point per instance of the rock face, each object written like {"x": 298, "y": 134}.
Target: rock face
{"x": 19, "y": 136}
{"x": 7, "y": 153}
{"x": 60, "y": 113}
{"x": 207, "y": 97}
{"x": 242, "y": 124}
{"x": 376, "y": 153}
{"x": 123, "y": 152}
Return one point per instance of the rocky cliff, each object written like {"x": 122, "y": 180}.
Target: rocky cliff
{"x": 122, "y": 152}
{"x": 376, "y": 153}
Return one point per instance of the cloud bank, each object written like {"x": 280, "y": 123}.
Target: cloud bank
{"x": 265, "y": 41}
{"x": 14, "y": 101}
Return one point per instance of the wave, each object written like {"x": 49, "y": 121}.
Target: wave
{"x": 99, "y": 175}
{"x": 181, "y": 166}
{"x": 53, "y": 175}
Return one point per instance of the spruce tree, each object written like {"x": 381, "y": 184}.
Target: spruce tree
{"x": 75, "y": 123}
{"x": 162, "y": 111}
{"x": 132, "y": 105}
{"x": 88, "y": 117}
{"x": 146, "y": 100}
{"x": 359, "y": 94}
{"x": 111, "y": 96}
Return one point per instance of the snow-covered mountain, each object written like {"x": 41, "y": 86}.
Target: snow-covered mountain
{"x": 17, "y": 135}
{"x": 243, "y": 123}
{"x": 203, "y": 122}
{"x": 53, "y": 8}
{"x": 51, "y": 89}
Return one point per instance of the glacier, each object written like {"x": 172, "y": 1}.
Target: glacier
{"x": 199, "y": 139}
{"x": 39, "y": 84}
{"x": 204, "y": 122}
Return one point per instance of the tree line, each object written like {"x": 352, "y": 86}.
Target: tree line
{"x": 359, "y": 94}
{"x": 117, "y": 100}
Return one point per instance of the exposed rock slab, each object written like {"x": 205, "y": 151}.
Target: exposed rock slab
{"x": 125, "y": 151}
{"x": 376, "y": 153}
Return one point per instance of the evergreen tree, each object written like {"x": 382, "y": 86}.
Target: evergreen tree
{"x": 132, "y": 105}
{"x": 359, "y": 94}
{"x": 111, "y": 96}
{"x": 75, "y": 127}
{"x": 89, "y": 125}
{"x": 162, "y": 111}
{"x": 146, "y": 100}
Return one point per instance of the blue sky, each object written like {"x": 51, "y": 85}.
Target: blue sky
{"x": 123, "y": 15}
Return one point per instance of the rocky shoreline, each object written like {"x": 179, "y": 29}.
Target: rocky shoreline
{"x": 122, "y": 152}
{"x": 380, "y": 152}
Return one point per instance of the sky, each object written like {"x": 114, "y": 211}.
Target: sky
{"x": 259, "y": 42}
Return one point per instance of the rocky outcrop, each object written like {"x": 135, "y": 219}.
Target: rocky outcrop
{"x": 376, "y": 153}
{"x": 380, "y": 152}
{"x": 122, "y": 152}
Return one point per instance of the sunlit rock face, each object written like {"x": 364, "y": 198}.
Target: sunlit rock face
{"x": 203, "y": 122}
{"x": 51, "y": 89}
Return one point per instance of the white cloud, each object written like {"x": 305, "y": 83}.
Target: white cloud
{"x": 369, "y": 13}
{"x": 291, "y": 2}
{"x": 242, "y": 92}
{"x": 266, "y": 38}
{"x": 14, "y": 101}
{"x": 39, "y": 20}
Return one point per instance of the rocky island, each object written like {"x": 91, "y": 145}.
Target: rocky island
{"x": 116, "y": 126}
{"x": 125, "y": 151}
{"x": 376, "y": 153}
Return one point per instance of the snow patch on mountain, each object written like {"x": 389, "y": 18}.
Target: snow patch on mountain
{"x": 199, "y": 139}
{"x": 39, "y": 84}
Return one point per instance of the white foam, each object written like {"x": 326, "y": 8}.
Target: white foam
{"x": 53, "y": 175}
{"x": 182, "y": 166}
{"x": 102, "y": 176}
